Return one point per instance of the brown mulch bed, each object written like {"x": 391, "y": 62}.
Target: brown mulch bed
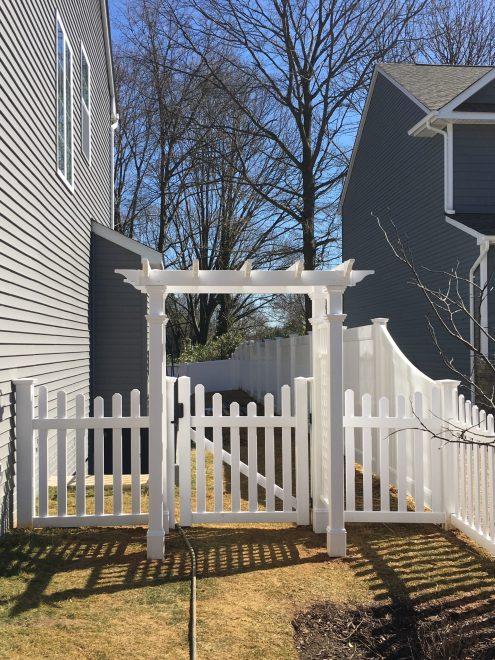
{"x": 329, "y": 631}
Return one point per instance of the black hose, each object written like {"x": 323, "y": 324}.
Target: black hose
{"x": 192, "y": 605}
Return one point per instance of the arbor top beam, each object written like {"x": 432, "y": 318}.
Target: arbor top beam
{"x": 246, "y": 280}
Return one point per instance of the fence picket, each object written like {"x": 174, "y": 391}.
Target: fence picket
{"x": 436, "y": 455}
{"x": 269, "y": 456}
{"x": 383, "y": 413}
{"x": 367, "y": 457}
{"x": 117, "y": 456}
{"x": 484, "y": 526}
{"x": 135, "y": 455}
{"x": 286, "y": 449}
{"x": 252, "y": 460}
{"x": 217, "y": 455}
{"x": 350, "y": 455}
{"x": 61, "y": 457}
{"x": 199, "y": 409}
{"x": 81, "y": 453}
{"x": 401, "y": 457}
{"x": 43, "y": 453}
{"x": 235, "y": 463}
{"x": 99, "y": 460}
{"x": 419, "y": 490}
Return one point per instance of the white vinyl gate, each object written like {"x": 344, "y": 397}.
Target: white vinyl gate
{"x": 260, "y": 463}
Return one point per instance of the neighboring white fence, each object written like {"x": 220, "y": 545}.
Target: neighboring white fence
{"x": 372, "y": 363}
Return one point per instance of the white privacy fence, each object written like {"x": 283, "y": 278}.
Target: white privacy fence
{"x": 372, "y": 362}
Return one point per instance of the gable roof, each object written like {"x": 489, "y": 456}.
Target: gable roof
{"x": 431, "y": 86}
{"x": 434, "y": 85}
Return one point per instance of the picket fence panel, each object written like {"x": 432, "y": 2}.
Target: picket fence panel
{"x": 81, "y": 425}
{"x": 473, "y": 437}
{"x": 392, "y": 451}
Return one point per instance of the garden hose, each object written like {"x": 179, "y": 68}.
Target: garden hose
{"x": 192, "y": 606}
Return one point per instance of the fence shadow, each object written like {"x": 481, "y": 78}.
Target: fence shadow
{"x": 88, "y": 562}
{"x": 421, "y": 573}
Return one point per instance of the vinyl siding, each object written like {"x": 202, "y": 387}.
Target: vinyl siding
{"x": 45, "y": 227}
{"x": 119, "y": 337}
{"x": 474, "y": 168}
{"x": 486, "y": 95}
{"x": 400, "y": 178}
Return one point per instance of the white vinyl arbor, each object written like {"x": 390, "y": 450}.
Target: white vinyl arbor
{"x": 325, "y": 288}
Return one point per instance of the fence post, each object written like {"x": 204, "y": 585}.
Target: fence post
{"x": 292, "y": 362}
{"x": 450, "y": 450}
{"x": 302, "y": 460}
{"x": 24, "y": 397}
{"x": 157, "y": 322}
{"x": 380, "y": 364}
{"x": 278, "y": 359}
{"x": 336, "y": 533}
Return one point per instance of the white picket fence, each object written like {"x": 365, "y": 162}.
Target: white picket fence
{"x": 414, "y": 459}
{"x": 474, "y": 473}
{"x": 33, "y": 501}
{"x": 269, "y": 447}
{"x": 393, "y": 449}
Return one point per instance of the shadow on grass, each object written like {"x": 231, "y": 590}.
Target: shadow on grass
{"x": 90, "y": 562}
{"x": 419, "y": 573}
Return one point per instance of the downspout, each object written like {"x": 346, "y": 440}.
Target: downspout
{"x": 484, "y": 248}
{"x": 446, "y": 159}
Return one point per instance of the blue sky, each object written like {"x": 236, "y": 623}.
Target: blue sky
{"x": 116, "y": 8}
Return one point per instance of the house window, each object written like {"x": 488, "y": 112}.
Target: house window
{"x": 85, "y": 105}
{"x": 65, "y": 161}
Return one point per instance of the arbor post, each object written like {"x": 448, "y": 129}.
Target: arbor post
{"x": 157, "y": 322}
{"x": 336, "y": 533}
{"x": 319, "y": 508}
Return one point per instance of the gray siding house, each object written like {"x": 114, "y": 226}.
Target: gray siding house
{"x": 65, "y": 318}
{"x": 424, "y": 160}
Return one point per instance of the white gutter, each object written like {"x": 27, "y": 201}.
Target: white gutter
{"x": 447, "y": 164}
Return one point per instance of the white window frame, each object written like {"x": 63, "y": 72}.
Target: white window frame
{"x": 84, "y": 55}
{"x": 63, "y": 174}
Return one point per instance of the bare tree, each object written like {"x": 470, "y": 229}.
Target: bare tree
{"x": 459, "y": 32}
{"x": 457, "y": 300}
{"x": 313, "y": 61}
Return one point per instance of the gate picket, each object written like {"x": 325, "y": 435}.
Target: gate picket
{"x": 217, "y": 455}
{"x": 286, "y": 449}
{"x": 184, "y": 452}
{"x": 235, "y": 463}
{"x": 252, "y": 460}
{"x": 269, "y": 456}
{"x": 199, "y": 409}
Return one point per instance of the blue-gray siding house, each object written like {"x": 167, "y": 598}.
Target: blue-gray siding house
{"x": 424, "y": 164}
{"x": 66, "y": 319}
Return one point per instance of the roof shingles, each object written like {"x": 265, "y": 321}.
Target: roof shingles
{"x": 434, "y": 85}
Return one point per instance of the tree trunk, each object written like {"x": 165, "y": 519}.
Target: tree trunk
{"x": 308, "y": 231}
